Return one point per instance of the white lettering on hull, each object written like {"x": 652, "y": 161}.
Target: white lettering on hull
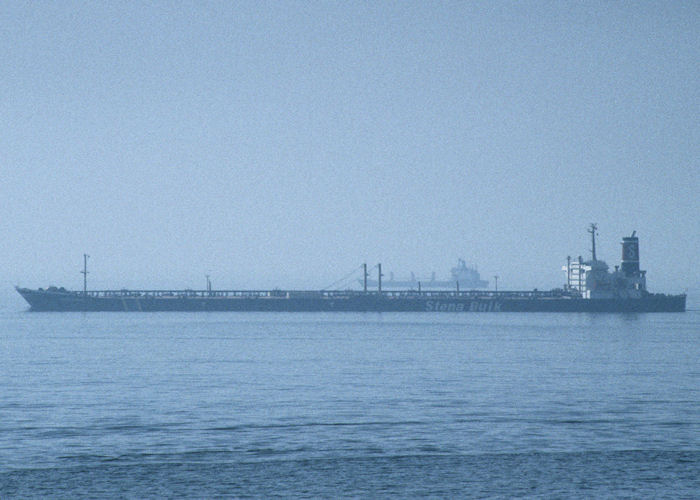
{"x": 473, "y": 306}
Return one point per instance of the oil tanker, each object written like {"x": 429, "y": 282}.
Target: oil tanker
{"x": 590, "y": 287}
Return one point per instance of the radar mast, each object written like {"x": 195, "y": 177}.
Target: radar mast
{"x": 593, "y": 229}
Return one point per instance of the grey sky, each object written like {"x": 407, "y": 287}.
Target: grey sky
{"x": 284, "y": 143}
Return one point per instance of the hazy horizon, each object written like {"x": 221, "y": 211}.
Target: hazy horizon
{"x": 282, "y": 144}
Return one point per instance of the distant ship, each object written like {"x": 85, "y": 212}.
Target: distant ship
{"x": 462, "y": 277}
{"x": 590, "y": 287}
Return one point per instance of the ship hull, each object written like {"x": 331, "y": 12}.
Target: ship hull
{"x": 134, "y": 301}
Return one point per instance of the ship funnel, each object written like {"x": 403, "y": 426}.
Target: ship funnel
{"x": 630, "y": 255}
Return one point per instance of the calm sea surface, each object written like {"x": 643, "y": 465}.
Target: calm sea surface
{"x": 366, "y": 405}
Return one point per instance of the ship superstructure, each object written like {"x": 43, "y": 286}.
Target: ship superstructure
{"x": 594, "y": 280}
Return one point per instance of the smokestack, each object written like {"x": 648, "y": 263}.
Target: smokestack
{"x": 630, "y": 255}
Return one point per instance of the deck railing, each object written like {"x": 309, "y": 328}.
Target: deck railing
{"x": 326, "y": 294}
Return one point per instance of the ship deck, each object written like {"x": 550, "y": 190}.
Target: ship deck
{"x": 319, "y": 294}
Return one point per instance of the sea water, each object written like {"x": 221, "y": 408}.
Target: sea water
{"x": 206, "y": 405}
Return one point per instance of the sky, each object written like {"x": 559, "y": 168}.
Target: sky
{"x": 283, "y": 143}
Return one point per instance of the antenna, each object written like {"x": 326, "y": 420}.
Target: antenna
{"x": 84, "y": 272}
{"x": 593, "y": 229}
{"x": 364, "y": 279}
